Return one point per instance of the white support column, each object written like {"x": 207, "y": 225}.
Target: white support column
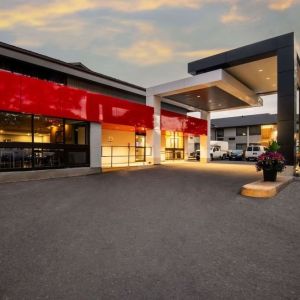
{"x": 186, "y": 147}
{"x": 205, "y": 139}
{"x": 248, "y": 137}
{"x": 95, "y": 145}
{"x": 155, "y": 137}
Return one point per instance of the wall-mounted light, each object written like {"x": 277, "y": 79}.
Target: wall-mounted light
{"x": 198, "y": 96}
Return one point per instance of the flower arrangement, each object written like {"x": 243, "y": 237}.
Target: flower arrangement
{"x": 271, "y": 162}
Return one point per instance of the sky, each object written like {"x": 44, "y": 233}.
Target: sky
{"x": 145, "y": 42}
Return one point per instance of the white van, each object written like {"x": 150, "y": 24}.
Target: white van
{"x": 218, "y": 150}
{"x": 253, "y": 152}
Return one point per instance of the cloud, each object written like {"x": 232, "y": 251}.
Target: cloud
{"x": 33, "y": 14}
{"x": 281, "y": 4}
{"x": 147, "y": 52}
{"x": 28, "y": 42}
{"x": 234, "y": 16}
{"x": 153, "y": 52}
{"x": 197, "y": 54}
{"x": 39, "y": 14}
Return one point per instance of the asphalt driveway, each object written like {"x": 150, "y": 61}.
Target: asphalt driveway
{"x": 168, "y": 232}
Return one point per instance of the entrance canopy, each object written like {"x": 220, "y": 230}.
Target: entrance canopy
{"x": 237, "y": 79}
{"x": 211, "y": 91}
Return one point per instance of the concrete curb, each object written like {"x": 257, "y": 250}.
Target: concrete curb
{"x": 7, "y": 177}
{"x": 265, "y": 189}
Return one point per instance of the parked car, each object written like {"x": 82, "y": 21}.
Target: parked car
{"x": 236, "y": 155}
{"x": 253, "y": 152}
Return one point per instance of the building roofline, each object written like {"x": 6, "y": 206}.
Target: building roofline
{"x": 258, "y": 50}
{"x": 75, "y": 70}
{"x": 246, "y": 120}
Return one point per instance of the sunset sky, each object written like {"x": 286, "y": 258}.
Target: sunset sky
{"x": 141, "y": 41}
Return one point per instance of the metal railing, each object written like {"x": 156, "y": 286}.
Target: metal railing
{"x": 123, "y": 156}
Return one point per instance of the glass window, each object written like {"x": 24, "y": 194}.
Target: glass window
{"x": 241, "y": 131}
{"x": 48, "y": 130}
{"x": 220, "y": 132}
{"x": 24, "y": 139}
{"x": 254, "y": 130}
{"x": 140, "y": 140}
{"x": 76, "y": 158}
{"x": 48, "y": 158}
{"x": 15, "y": 158}
{"x": 15, "y": 128}
{"x": 76, "y": 132}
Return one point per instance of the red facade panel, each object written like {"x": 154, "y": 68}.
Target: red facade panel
{"x": 40, "y": 97}
{"x": 9, "y": 91}
{"x": 30, "y": 95}
{"x": 74, "y": 103}
{"x": 20, "y": 93}
{"x": 127, "y": 113}
{"x": 177, "y": 122}
{"x": 115, "y": 111}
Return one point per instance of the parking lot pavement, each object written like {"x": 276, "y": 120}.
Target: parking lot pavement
{"x": 167, "y": 232}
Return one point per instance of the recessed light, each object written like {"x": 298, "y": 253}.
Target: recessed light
{"x": 260, "y": 70}
{"x": 198, "y": 96}
{"x": 268, "y": 78}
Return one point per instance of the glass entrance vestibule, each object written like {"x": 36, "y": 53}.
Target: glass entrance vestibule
{"x": 30, "y": 141}
{"x": 173, "y": 142}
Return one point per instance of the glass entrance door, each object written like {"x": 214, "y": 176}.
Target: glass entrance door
{"x": 174, "y": 145}
{"x": 140, "y": 147}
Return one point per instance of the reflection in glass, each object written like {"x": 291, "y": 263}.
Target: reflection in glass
{"x": 49, "y": 158}
{"x": 15, "y": 158}
{"x": 140, "y": 144}
{"x": 15, "y": 128}
{"x": 76, "y": 158}
{"x": 241, "y": 131}
{"x": 76, "y": 132}
{"x": 48, "y": 130}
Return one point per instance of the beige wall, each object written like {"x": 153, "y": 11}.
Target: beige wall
{"x": 119, "y": 140}
{"x": 112, "y": 137}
